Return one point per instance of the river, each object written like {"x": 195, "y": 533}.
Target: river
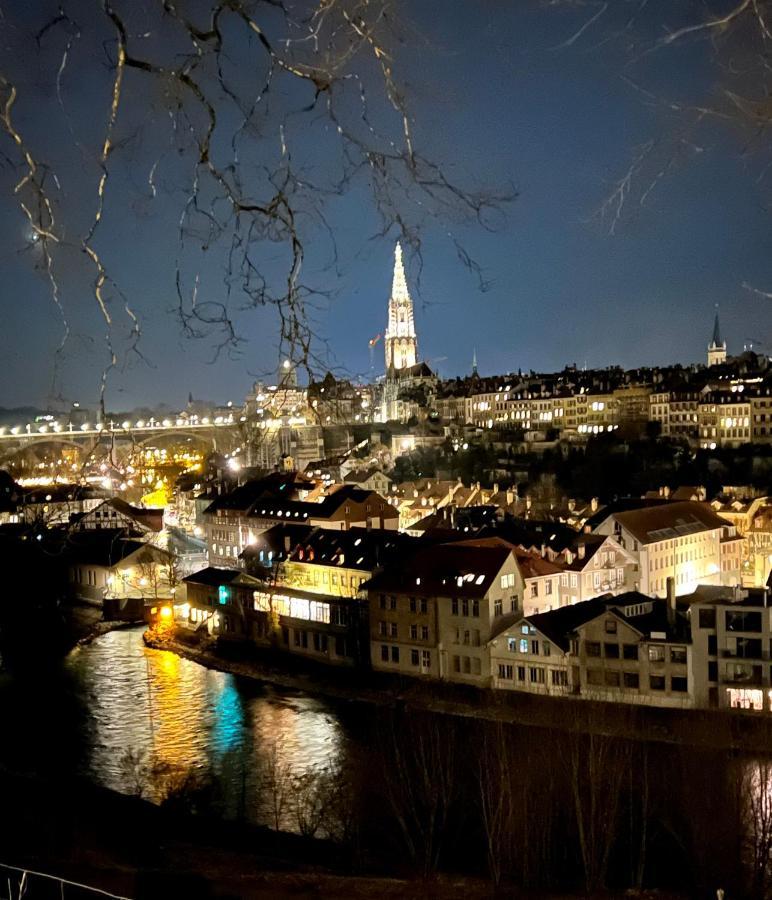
{"x": 132, "y": 718}
{"x": 140, "y": 721}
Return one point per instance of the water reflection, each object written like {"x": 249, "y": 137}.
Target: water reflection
{"x": 175, "y": 713}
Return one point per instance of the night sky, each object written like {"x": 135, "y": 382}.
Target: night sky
{"x": 500, "y": 98}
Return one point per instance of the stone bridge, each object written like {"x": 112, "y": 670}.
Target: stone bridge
{"x": 222, "y": 434}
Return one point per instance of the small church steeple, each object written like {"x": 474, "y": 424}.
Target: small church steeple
{"x": 474, "y": 363}
{"x": 717, "y": 347}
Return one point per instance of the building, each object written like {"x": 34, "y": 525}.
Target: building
{"x": 686, "y": 541}
{"x": 433, "y": 614}
{"x": 217, "y": 601}
{"x": 400, "y": 343}
{"x": 732, "y": 637}
{"x": 106, "y": 565}
{"x": 625, "y": 649}
{"x": 117, "y": 513}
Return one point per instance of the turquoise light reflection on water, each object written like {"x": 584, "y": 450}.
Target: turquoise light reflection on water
{"x": 171, "y": 711}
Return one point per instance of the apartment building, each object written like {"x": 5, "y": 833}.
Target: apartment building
{"x": 732, "y": 639}
{"x": 686, "y": 541}
{"x": 433, "y": 614}
{"x": 626, "y": 649}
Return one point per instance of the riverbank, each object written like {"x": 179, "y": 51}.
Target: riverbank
{"x": 58, "y": 828}
{"x": 729, "y": 730}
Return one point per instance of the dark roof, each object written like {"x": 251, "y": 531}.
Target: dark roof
{"x": 559, "y": 624}
{"x": 460, "y": 570}
{"x": 214, "y": 577}
{"x": 623, "y": 504}
{"x": 357, "y": 548}
{"x": 105, "y": 547}
{"x": 669, "y": 521}
{"x": 276, "y": 485}
{"x": 326, "y": 508}
{"x": 62, "y": 493}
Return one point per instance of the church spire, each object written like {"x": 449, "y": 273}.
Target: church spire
{"x": 400, "y": 344}
{"x": 474, "y": 361}
{"x": 717, "y": 347}
{"x": 716, "y": 332}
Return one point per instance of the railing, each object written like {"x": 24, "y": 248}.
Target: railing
{"x": 20, "y": 883}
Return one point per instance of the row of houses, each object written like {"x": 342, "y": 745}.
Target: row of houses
{"x": 489, "y": 612}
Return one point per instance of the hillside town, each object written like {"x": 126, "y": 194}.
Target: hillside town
{"x": 319, "y": 535}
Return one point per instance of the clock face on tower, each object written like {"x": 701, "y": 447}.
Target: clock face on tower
{"x": 400, "y": 343}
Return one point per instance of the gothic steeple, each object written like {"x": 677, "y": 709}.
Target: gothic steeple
{"x": 717, "y": 347}
{"x": 400, "y": 344}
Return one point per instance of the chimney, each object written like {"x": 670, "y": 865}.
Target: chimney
{"x": 287, "y": 544}
{"x": 495, "y": 488}
{"x": 580, "y": 551}
{"x": 594, "y": 504}
{"x": 671, "y": 601}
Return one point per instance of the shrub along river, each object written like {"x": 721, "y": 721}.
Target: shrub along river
{"x": 405, "y": 791}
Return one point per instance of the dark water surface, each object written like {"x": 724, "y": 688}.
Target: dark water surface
{"x": 126, "y": 716}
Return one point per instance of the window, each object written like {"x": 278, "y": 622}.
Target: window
{"x": 657, "y": 682}
{"x": 505, "y": 671}
{"x": 423, "y": 605}
{"x": 426, "y": 659}
{"x": 656, "y": 654}
{"x": 536, "y": 675}
{"x": 413, "y": 632}
{"x": 382, "y": 629}
{"x": 611, "y": 626}
{"x": 320, "y": 642}
{"x": 534, "y": 588}
{"x": 548, "y": 586}
{"x": 523, "y": 645}
{"x": 395, "y": 654}
{"x": 512, "y": 645}
{"x": 595, "y": 676}
{"x": 546, "y": 648}
{"x": 611, "y": 678}
{"x": 413, "y": 657}
{"x": 713, "y": 644}
{"x": 464, "y": 607}
{"x": 630, "y": 651}
{"x": 497, "y": 608}
{"x": 424, "y": 632}
{"x": 592, "y": 648}
{"x": 475, "y": 608}
{"x": 630, "y": 679}
{"x": 611, "y": 651}
{"x": 384, "y": 653}
{"x": 456, "y": 663}
{"x": 412, "y": 605}
{"x": 712, "y": 671}
{"x": 679, "y": 684}
{"x": 392, "y": 629}
{"x": 743, "y": 620}
{"x": 559, "y": 677}
{"x": 678, "y": 655}
{"x": 535, "y": 648}
{"x": 521, "y": 673}
{"x": 454, "y": 606}
{"x": 574, "y": 580}
{"x": 392, "y": 602}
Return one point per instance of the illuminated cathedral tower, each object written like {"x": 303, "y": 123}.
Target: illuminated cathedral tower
{"x": 400, "y": 343}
